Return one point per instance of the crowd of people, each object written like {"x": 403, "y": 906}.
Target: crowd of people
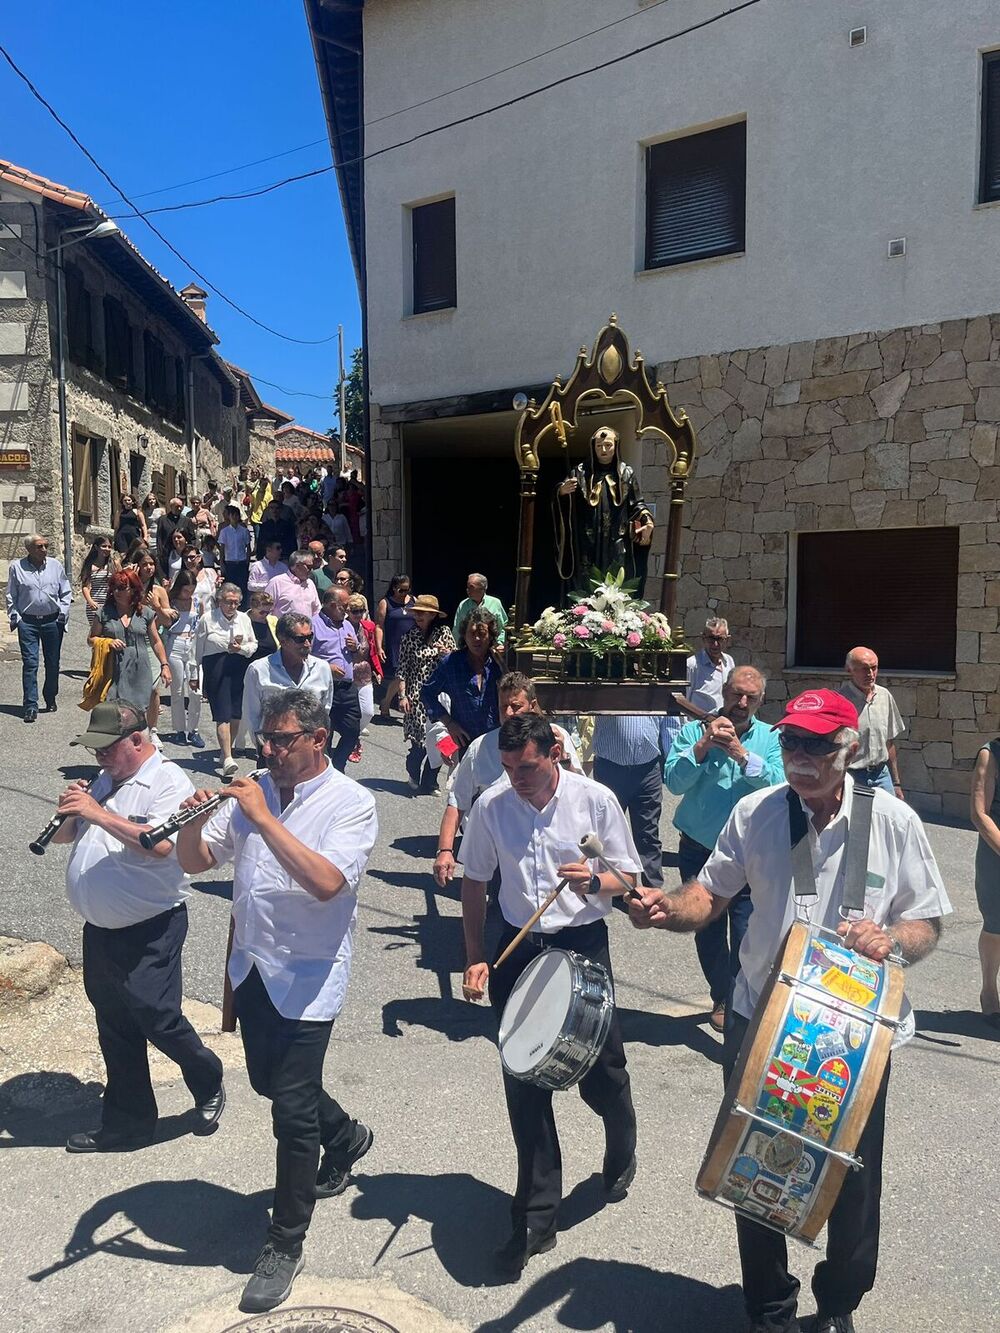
{"x": 275, "y": 632}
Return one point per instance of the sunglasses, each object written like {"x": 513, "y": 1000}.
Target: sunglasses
{"x": 278, "y": 740}
{"x": 715, "y": 638}
{"x": 301, "y": 638}
{"x": 814, "y": 745}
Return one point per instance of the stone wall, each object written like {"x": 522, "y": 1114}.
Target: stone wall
{"x": 874, "y": 430}
{"x": 385, "y": 528}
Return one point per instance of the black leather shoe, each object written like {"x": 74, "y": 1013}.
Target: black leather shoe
{"x": 834, "y": 1323}
{"x": 30, "y": 714}
{"x": 51, "y": 708}
{"x": 106, "y": 1140}
{"x": 271, "y": 1283}
{"x": 207, "y": 1113}
{"x": 793, "y": 1327}
{"x": 511, "y": 1258}
{"x": 616, "y": 1188}
{"x": 333, "y": 1177}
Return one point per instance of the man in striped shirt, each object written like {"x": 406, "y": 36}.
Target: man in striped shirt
{"x": 628, "y": 758}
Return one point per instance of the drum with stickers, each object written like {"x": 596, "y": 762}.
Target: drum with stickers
{"x": 802, "y": 1090}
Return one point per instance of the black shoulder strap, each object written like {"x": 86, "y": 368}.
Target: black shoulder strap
{"x": 856, "y": 853}
{"x": 803, "y": 875}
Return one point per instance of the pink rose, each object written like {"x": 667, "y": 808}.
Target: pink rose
{"x": 644, "y": 617}
{"x": 633, "y": 640}
{"x": 579, "y": 610}
{"x": 581, "y": 631}
{"x": 608, "y": 626}
{"x": 559, "y": 640}
{"x": 661, "y": 633}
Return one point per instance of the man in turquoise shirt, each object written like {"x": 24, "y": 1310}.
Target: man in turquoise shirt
{"x": 475, "y": 586}
{"x": 711, "y": 766}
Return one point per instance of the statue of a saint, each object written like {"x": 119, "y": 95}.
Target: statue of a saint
{"x": 603, "y": 521}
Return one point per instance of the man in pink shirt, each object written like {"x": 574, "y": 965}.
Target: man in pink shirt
{"x": 295, "y": 591}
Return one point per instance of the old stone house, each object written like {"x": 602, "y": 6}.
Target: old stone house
{"x": 140, "y": 400}
{"x": 298, "y": 446}
{"x": 794, "y": 213}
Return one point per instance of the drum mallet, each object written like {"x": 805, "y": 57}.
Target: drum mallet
{"x": 531, "y": 921}
{"x": 592, "y": 847}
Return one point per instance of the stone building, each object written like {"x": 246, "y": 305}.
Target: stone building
{"x": 808, "y": 273}
{"x": 144, "y": 401}
{"x": 297, "y": 445}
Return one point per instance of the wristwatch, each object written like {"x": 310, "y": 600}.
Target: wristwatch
{"x": 595, "y": 884}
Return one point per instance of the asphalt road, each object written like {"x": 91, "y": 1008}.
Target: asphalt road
{"x": 132, "y": 1242}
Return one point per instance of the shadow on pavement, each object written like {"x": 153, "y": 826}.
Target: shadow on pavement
{"x": 213, "y": 888}
{"x": 43, "y": 1108}
{"x": 628, "y": 1298}
{"x": 447, "y": 1202}
{"x": 205, "y": 1226}
{"x": 662, "y": 1030}
{"x": 955, "y": 1022}
{"x": 395, "y": 786}
{"x": 410, "y": 879}
{"x": 454, "y": 1019}
{"x": 420, "y": 845}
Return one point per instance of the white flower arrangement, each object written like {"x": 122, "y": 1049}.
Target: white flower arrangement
{"x": 608, "y": 618}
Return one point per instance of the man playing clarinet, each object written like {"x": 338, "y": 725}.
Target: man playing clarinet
{"x": 135, "y": 922}
{"x": 904, "y": 901}
{"x": 531, "y": 829}
{"x": 299, "y": 841}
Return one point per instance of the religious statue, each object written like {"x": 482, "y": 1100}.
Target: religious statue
{"x": 602, "y": 520}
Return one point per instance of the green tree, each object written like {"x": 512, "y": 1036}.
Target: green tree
{"x": 354, "y": 401}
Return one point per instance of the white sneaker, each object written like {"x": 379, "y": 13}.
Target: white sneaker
{"x": 229, "y": 770}
{"x": 364, "y": 731}
{"x": 154, "y": 738}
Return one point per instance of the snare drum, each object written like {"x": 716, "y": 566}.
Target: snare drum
{"x": 803, "y": 1087}
{"x": 556, "y": 1019}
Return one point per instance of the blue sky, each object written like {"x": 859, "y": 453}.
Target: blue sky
{"x": 164, "y": 93}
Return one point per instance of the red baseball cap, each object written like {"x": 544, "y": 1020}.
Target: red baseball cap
{"x": 820, "y": 711}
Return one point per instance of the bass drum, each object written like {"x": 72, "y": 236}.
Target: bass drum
{"x": 808, "y": 1071}
{"x": 556, "y": 1020}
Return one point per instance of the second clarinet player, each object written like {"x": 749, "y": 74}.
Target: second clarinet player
{"x": 135, "y": 920}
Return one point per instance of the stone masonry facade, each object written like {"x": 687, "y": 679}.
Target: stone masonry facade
{"x": 875, "y": 430}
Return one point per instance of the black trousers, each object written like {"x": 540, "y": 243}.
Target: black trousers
{"x": 285, "y": 1064}
{"x": 848, "y": 1271}
{"x": 345, "y": 721}
{"x": 639, "y": 788}
{"x": 718, "y": 943}
{"x": 132, "y": 977}
{"x": 606, "y": 1090}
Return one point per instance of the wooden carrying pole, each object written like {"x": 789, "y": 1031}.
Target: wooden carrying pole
{"x": 531, "y": 921}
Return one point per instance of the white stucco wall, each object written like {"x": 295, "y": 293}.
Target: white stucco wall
{"x": 846, "y": 148}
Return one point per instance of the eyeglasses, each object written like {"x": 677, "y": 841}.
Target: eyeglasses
{"x": 278, "y": 740}
{"x": 301, "y": 638}
{"x": 715, "y": 638}
{"x": 342, "y": 578}
{"x": 814, "y": 745}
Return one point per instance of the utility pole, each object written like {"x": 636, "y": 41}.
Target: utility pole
{"x": 341, "y": 399}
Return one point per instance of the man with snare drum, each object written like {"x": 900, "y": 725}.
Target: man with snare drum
{"x": 531, "y": 829}
{"x": 904, "y": 901}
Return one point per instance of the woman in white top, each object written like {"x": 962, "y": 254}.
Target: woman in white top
{"x": 156, "y": 597}
{"x": 223, "y": 646}
{"x": 185, "y": 701}
{"x": 207, "y": 580}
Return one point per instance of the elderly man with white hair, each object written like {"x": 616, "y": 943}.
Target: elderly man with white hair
{"x": 879, "y": 723}
{"x": 477, "y": 596}
{"x": 904, "y": 901}
{"x": 38, "y": 601}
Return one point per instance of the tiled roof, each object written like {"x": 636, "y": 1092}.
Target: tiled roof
{"x": 312, "y": 454}
{"x": 28, "y": 180}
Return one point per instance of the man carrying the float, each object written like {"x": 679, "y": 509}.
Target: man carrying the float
{"x": 904, "y": 901}
{"x": 532, "y": 830}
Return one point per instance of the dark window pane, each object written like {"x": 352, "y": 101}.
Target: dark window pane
{"x": 894, "y": 591}
{"x": 989, "y": 187}
{"x": 696, "y": 196}
{"x": 434, "y": 284}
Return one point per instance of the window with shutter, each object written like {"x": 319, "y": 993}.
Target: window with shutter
{"x": 86, "y": 465}
{"x": 906, "y": 610}
{"x": 155, "y": 365}
{"x": 118, "y": 357}
{"x": 79, "y": 335}
{"x": 696, "y": 196}
{"x": 989, "y": 149}
{"x": 434, "y": 275}
{"x": 114, "y": 482}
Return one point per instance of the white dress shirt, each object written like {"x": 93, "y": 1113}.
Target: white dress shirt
{"x": 268, "y": 674}
{"x": 112, "y": 885}
{"x": 903, "y": 882}
{"x": 215, "y": 632}
{"x": 705, "y": 680}
{"x": 530, "y": 845}
{"x": 300, "y": 945}
{"x": 481, "y": 766}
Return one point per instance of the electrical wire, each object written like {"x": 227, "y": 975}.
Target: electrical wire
{"x": 226, "y": 198}
{"x": 285, "y": 337}
{"x": 229, "y": 171}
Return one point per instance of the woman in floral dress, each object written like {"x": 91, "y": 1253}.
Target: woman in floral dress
{"x": 420, "y": 651}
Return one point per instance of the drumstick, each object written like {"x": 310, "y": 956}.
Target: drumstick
{"x": 531, "y": 921}
{"x": 592, "y": 846}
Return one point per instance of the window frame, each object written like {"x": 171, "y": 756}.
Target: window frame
{"x": 86, "y": 464}
{"x": 651, "y": 174}
{"x": 418, "y": 307}
{"x": 983, "y": 194}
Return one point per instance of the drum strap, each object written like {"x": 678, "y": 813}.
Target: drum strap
{"x": 855, "y": 852}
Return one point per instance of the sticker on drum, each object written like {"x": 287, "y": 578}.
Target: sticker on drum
{"x": 765, "y": 1190}
{"x": 791, "y": 1085}
{"x": 804, "y": 1010}
{"x": 866, "y": 974}
{"x": 821, "y": 1116}
{"x": 776, "y": 1109}
{"x": 782, "y": 1154}
{"x": 796, "y": 1049}
{"x": 856, "y": 1033}
{"x": 756, "y": 1142}
{"x": 829, "y": 1044}
{"x": 787, "y": 1215}
{"x": 833, "y": 1080}
{"x": 847, "y": 988}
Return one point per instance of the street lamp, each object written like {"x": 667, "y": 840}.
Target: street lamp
{"x": 90, "y": 231}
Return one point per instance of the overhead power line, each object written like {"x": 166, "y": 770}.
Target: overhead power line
{"x": 229, "y": 171}
{"x": 286, "y": 337}
{"x": 226, "y": 198}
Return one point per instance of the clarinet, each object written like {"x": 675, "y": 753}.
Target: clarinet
{"x": 150, "y": 837}
{"x": 51, "y": 828}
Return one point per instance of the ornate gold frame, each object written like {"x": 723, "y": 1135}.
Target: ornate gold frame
{"x": 610, "y": 374}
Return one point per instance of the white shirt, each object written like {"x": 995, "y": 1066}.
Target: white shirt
{"x": 300, "y": 945}
{"x": 340, "y": 528}
{"x": 215, "y": 632}
{"x": 268, "y": 675}
{"x": 235, "y": 542}
{"x": 903, "y": 882}
{"x": 530, "y": 845}
{"x": 705, "y": 680}
{"x": 112, "y": 885}
{"x": 879, "y": 722}
{"x": 481, "y": 766}
{"x": 262, "y": 572}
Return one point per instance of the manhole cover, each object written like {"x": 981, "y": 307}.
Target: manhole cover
{"x": 313, "y": 1319}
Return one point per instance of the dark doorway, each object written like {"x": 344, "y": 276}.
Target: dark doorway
{"x": 463, "y": 518}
